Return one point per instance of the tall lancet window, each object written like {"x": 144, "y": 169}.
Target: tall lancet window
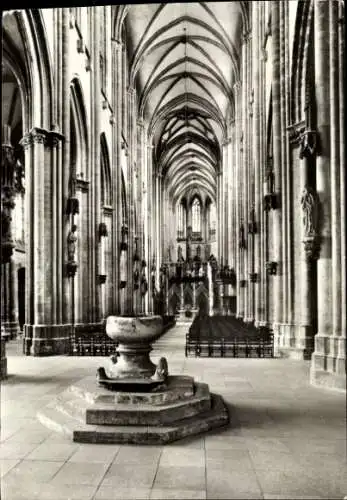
{"x": 196, "y": 216}
{"x": 181, "y": 220}
{"x": 213, "y": 220}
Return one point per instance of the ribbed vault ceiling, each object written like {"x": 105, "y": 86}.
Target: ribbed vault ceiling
{"x": 184, "y": 61}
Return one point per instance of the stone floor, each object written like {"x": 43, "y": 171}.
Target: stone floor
{"x": 286, "y": 439}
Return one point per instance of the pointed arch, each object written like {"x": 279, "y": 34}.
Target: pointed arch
{"x": 196, "y": 206}
{"x": 26, "y": 53}
{"x": 301, "y": 45}
{"x": 106, "y": 191}
{"x": 79, "y": 145}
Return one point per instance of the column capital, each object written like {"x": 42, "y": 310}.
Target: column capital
{"x": 246, "y": 36}
{"x": 41, "y": 136}
{"x": 237, "y": 85}
{"x": 117, "y": 44}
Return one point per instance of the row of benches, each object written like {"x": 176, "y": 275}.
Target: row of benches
{"x": 235, "y": 348}
{"x": 227, "y": 336}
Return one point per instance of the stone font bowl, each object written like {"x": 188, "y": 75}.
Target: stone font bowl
{"x": 134, "y": 330}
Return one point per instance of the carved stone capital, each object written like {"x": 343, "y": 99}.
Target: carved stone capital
{"x": 71, "y": 268}
{"x": 308, "y": 144}
{"x": 312, "y": 247}
{"x": 246, "y": 37}
{"x": 117, "y": 44}
{"x": 270, "y": 201}
{"x": 40, "y": 136}
{"x": 271, "y": 268}
{"x": 295, "y": 132}
{"x": 253, "y": 277}
{"x": 237, "y": 86}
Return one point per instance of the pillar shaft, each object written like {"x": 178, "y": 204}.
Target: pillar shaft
{"x": 277, "y": 163}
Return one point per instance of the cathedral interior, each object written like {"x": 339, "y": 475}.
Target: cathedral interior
{"x": 182, "y": 160}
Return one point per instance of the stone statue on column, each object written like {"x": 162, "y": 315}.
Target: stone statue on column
{"x": 71, "y": 243}
{"x": 179, "y": 254}
{"x": 310, "y": 208}
{"x": 310, "y": 211}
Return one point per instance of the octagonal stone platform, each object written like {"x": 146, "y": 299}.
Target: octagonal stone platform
{"x": 92, "y": 414}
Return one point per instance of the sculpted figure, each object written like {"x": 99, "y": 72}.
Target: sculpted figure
{"x": 309, "y": 208}
{"x": 71, "y": 243}
{"x": 179, "y": 254}
{"x": 162, "y": 370}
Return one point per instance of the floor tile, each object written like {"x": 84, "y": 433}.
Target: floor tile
{"x": 197, "y": 442}
{"x": 232, "y": 458}
{"x": 80, "y": 474}
{"x": 53, "y": 451}
{"x": 16, "y": 450}
{"x": 29, "y": 436}
{"x": 168, "y": 494}
{"x": 138, "y": 455}
{"x": 66, "y": 492}
{"x": 222, "y": 482}
{"x": 128, "y": 475}
{"x": 221, "y": 442}
{"x": 115, "y": 493}
{"x": 33, "y": 471}
{"x": 182, "y": 457}
{"x": 287, "y": 482}
{"x": 6, "y": 465}
{"x": 186, "y": 477}
{"x": 20, "y": 490}
{"x": 94, "y": 453}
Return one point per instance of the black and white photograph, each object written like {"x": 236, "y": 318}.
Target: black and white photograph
{"x": 173, "y": 251}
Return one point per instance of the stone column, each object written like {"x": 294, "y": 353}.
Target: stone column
{"x": 9, "y": 302}
{"x": 341, "y": 357}
{"x": 304, "y": 340}
{"x": 256, "y": 162}
{"x": 323, "y": 181}
{"x": 336, "y": 338}
{"x": 41, "y": 335}
{"x": 3, "y": 359}
{"x": 131, "y": 130}
{"x": 277, "y": 162}
{"x": 284, "y": 69}
{"x": 237, "y": 181}
{"x": 96, "y": 184}
{"x": 263, "y": 166}
{"x": 116, "y": 170}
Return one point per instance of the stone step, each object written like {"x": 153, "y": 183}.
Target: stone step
{"x": 149, "y": 414}
{"x": 56, "y": 421}
{"x": 71, "y": 405}
{"x": 132, "y": 414}
{"x": 216, "y": 417}
{"x": 60, "y": 422}
{"x": 178, "y": 388}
